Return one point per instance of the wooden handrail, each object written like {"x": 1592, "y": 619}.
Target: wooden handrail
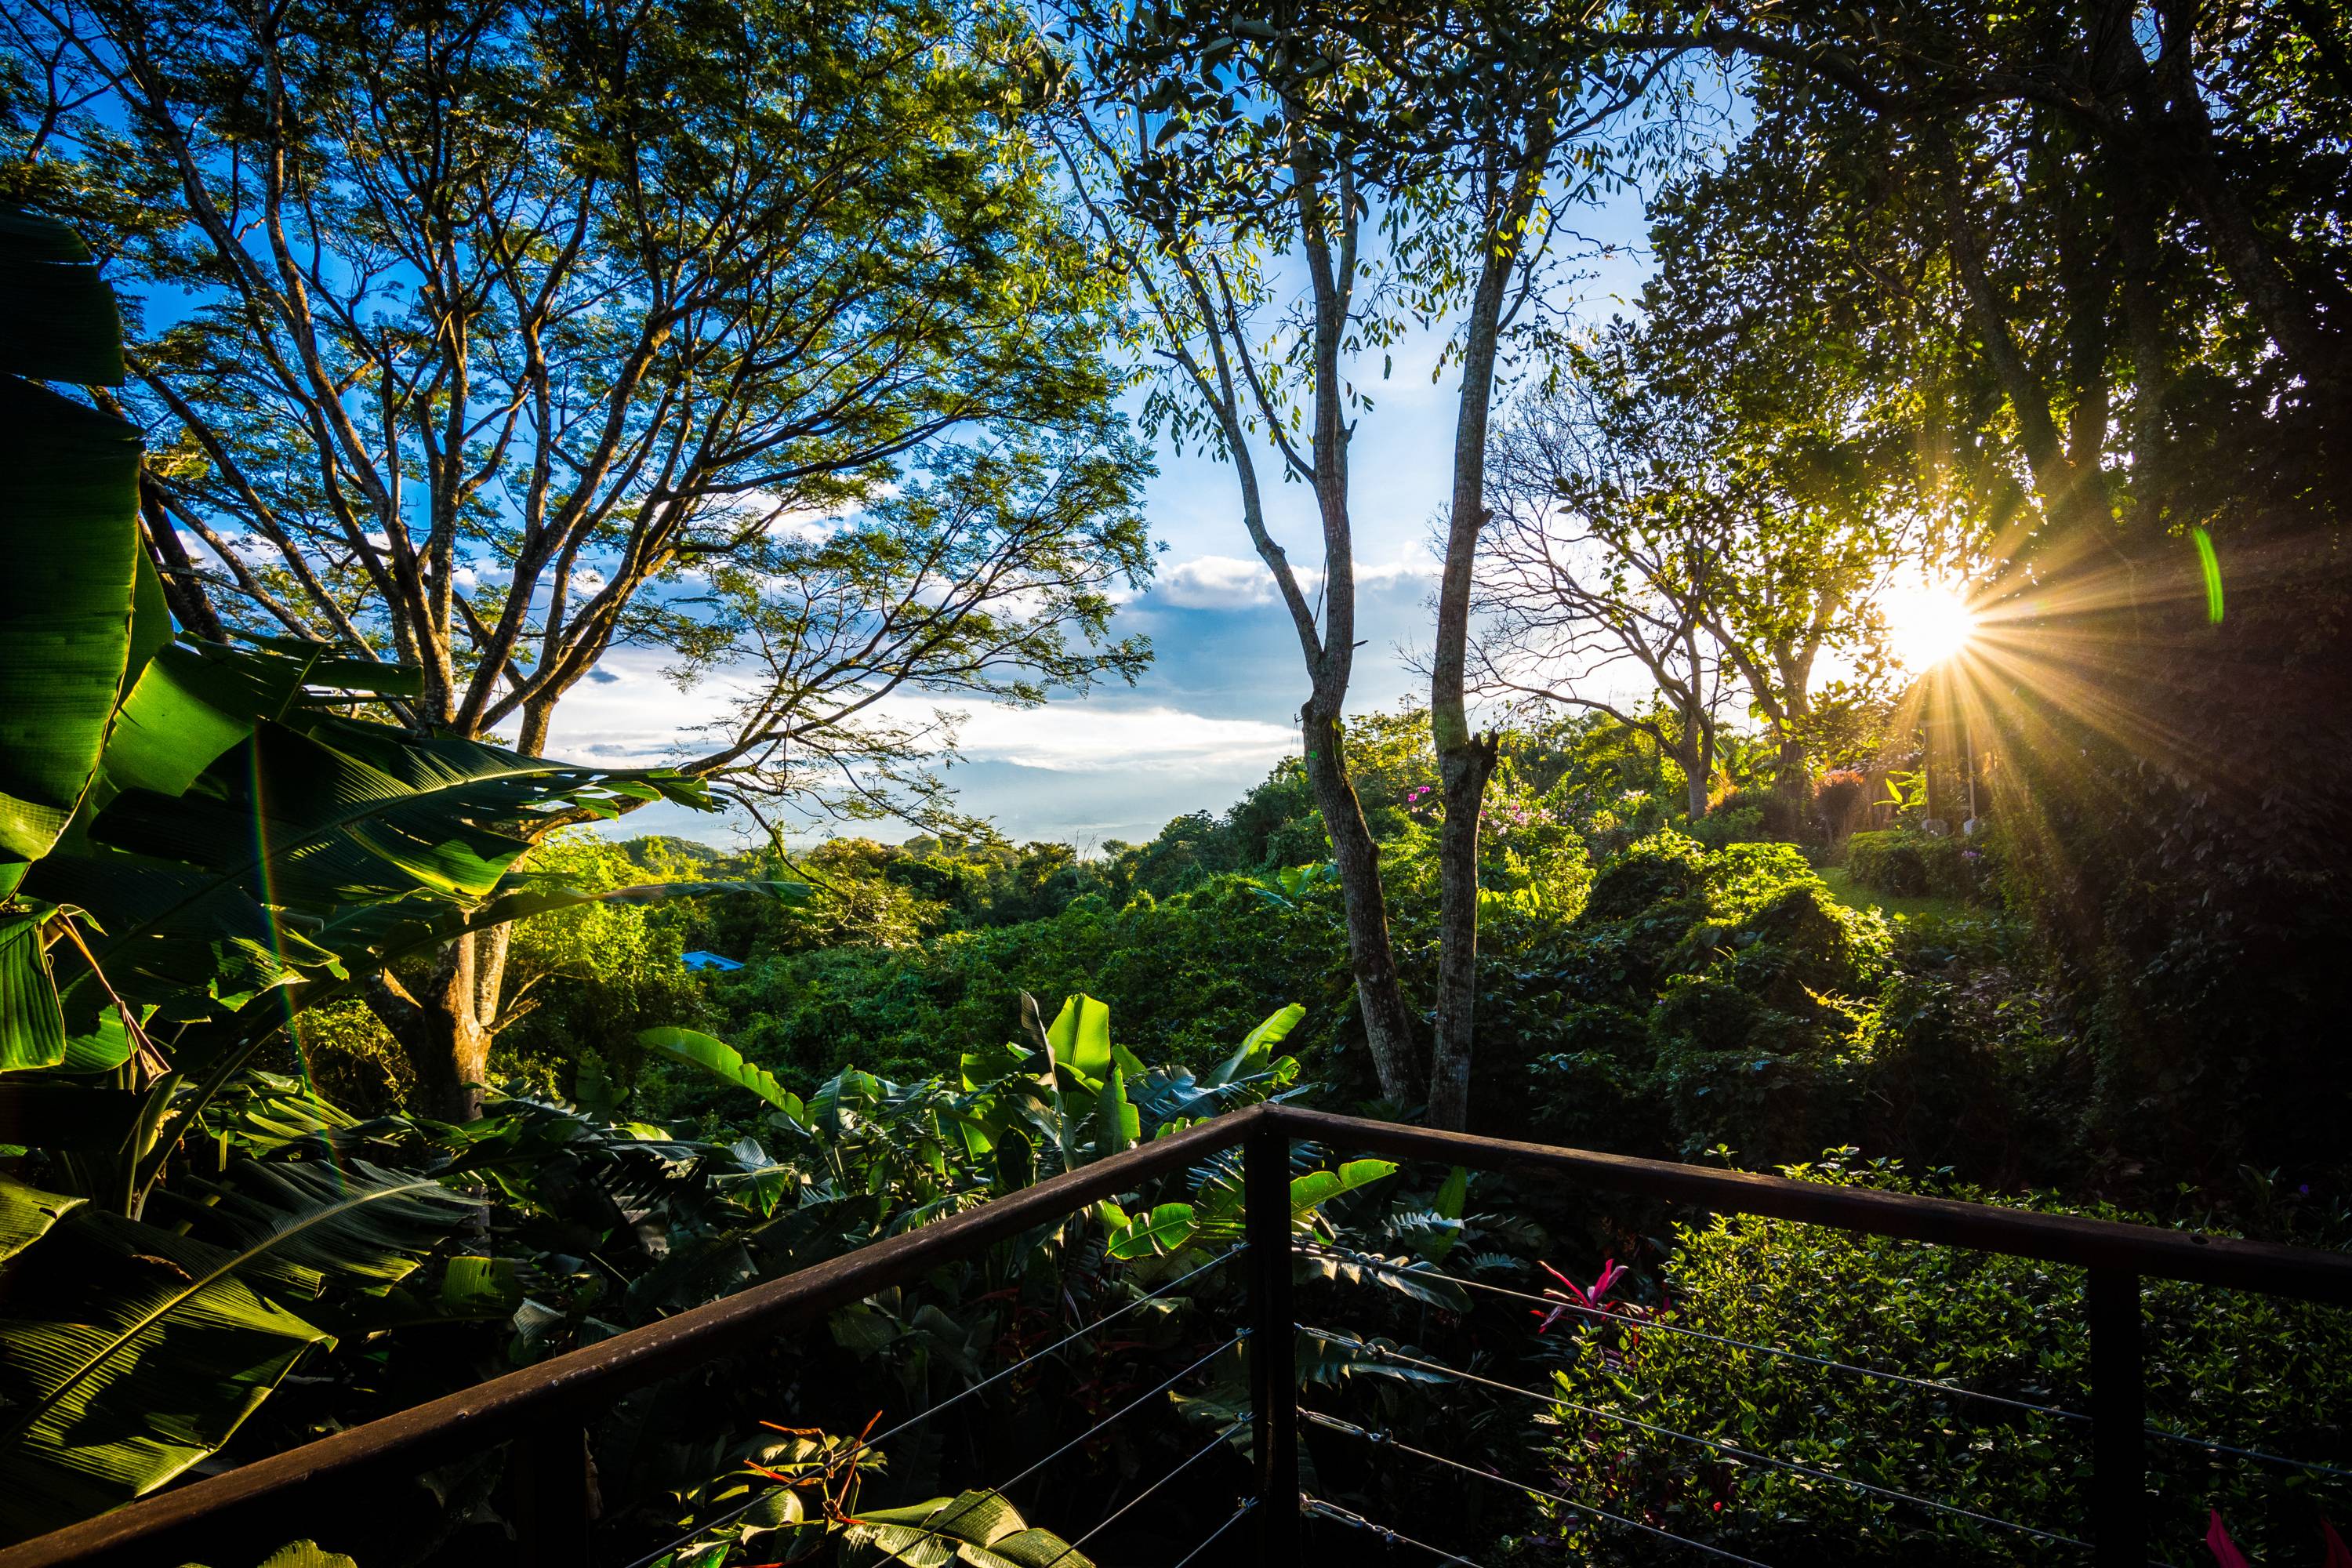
{"x": 2303, "y": 1272}
{"x": 272, "y": 1500}
{"x": 256, "y": 1507}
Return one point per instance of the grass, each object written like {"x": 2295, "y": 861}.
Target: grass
{"x": 1853, "y": 896}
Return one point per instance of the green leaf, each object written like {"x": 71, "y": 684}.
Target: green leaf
{"x": 1313, "y": 1190}
{"x": 723, "y": 1061}
{"x": 32, "y": 1025}
{"x": 60, "y": 322}
{"x": 182, "y": 715}
{"x": 978, "y": 1528}
{"x": 27, "y": 1212}
{"x": 151, "y": 1347}
{"x": 68, "y": 491}
{"x": 306, "y": 1554}
{"x": 1081, "y": 1037}
{"x": 1453, "y": 1195}
{"x": 1116, "y": 1124}
{"x": 1166, "y": 1229}
{"x": 1256, "y": 1050}
{"x": 481, "y": 1287}
{"x": 102, "y": 1048}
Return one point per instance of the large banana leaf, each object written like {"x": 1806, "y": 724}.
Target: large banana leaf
{"x": 724, "y": 1062}
{"x": 142, "y": 1350}
{"x": 32, "y": 1028}
{"x": 978, "y": 1528}
{"x": 215, "y": 895}
{"x": 68, "y": 491}
{"x": 28, "y": 1212}
{"x": 1220, "y": 1212}
{"x": 69, "y": 496}
{"x": 60, "y": 323}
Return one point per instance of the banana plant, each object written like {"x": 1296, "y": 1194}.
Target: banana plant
{"x": 134, "y": 1351}
{"x": 196, "y": 840}
{"x": 979, "y": 1528}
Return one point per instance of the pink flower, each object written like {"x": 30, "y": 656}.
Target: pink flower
{"x": 1576, "y": 1296}
{"x": 2225, "y": 1551}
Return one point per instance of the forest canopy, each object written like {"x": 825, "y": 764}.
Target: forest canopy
{"x": 1877, "y": 713}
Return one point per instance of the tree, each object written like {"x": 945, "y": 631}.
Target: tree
{"x": 1502, "y": 105}
{"x": 1215, "y": 152}
{"x": 2096, "y": 266}
{"x": 1608, "y": 552}
{"x": 524, "y": 331}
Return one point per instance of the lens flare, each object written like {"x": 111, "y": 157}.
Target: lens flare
{"x": 1927, "y": 623}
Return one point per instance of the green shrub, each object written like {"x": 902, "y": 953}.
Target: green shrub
{"x": 1729, "y": 823}
{"x": 1663, "y": 867}
{"x": 1750, "y": 812}
{"x": 1888, "y": 861}
{"x": 1905, "y": 863}
{"x": 1740, "y": 968}
{"x": 2235, "y": 1369}
{"x": 1595, "y": 1091}
{"x": 1186, "y": 974}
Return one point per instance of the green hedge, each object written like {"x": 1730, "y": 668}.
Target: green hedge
{"x": 1905, "y": 863}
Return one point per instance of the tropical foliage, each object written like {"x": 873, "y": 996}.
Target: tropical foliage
{"x": 347, "y": 1060}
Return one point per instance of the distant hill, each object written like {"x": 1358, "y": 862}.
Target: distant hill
{"x": 668, "y": 854}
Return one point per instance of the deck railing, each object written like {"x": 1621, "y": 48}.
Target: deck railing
{"x": 320, "y": 1489}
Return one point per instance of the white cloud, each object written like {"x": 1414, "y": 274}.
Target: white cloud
{"x": 1233, "y": 582}
{"x": 1078, "y": 737}
{"x": 631, "y": 716}
{"x": 1215, "y": 582}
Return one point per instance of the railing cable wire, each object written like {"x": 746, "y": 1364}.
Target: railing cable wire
{"x": 2206, "y": 1443}
{"x": 1394, "y": 1538}
{"x": 1065, "y": 1340}
{"x": 1209, "y": 1540}
{"x": 1716, "y": 1444}
{"x": 731, "y": 1515}
{"x": 1382, "y": 1440}
{"x": 1123, "y": 1410}
{"x": 1120, "y": 1414}
{"x": 1640, "y": 1325}
{"x": 1648, "y": 1326}
{"x": 1213, "y": 1445}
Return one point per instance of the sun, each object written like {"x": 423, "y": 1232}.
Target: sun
{"x": 1927, "y": 623}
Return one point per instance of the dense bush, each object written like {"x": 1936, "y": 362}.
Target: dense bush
{"x": 1709, "y": 998}
{"x": 1733, "y": 964}
{"x": 1752, "y": 812}
{"x": 1907, "y": 863}
{"x": 1185, "y": 974}
{"x": 2229, "y": 1368}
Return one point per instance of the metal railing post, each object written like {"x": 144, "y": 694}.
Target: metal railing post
{"x": 2118, "y": 1421}
{"x": 554, "y": 1495}
{"x": 1273, "y": 1349}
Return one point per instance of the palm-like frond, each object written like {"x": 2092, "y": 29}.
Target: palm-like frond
{"x": 143, "y": 1350}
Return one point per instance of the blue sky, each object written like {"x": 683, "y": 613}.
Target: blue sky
{"x": 1220, "y": 702}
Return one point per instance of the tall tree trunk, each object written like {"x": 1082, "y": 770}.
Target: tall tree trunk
{"x": 1467, "y": 762}
{"x": 446, "y": 1025}
{"x": 1698, "y": 769}
{"x": 1463, "y": 771}
{"x": 1371, "y": 958}
{"x": 1792, "y": 770}
{"x": 441, "y": 1031}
